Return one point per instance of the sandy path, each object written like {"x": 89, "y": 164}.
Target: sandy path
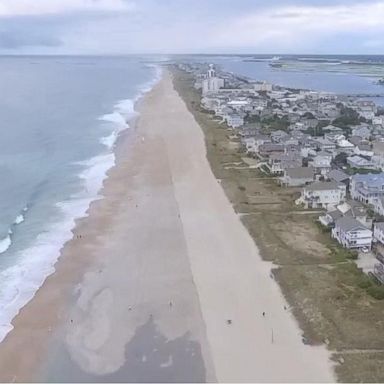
{"x": 167, "y": 262}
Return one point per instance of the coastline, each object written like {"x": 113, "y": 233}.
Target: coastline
{"x": 35, "y": 261}
{"x": 66, "y": 270}
{"x": 144, "y": 290}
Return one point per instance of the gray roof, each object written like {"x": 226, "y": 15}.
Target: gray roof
{"x": 356, "y": 210}
{"x": 335, "y": 214}
{"x": 323, "y": 153}
{"x": 323, "y": 141}
{"x": 301, "y": 173}
{"x": 279, "y": 132}
{"x": 332, "y": 128}
{"x": 324, "y": 186}
{"x": 355, "y": 140}
{"x": 268, "y": 147}
{"x": 364, "y": 147}
{"x": 285, "y": 156}
{"x": 349, "y": 224}
{"x": 337, "y": 175}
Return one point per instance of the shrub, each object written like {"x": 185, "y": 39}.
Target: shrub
{"x": 365, "y": 282}
{"x": 352, "y": 255}
{"x": 377, "y": 292}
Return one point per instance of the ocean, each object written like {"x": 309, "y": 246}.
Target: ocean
{"x": 59, "y": 120}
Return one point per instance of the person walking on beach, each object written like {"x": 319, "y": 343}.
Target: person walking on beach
{"x": 263, "y": 314}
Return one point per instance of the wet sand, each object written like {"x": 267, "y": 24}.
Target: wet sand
{"x": 162, "y": 264}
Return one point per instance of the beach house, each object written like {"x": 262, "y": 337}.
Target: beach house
{"x": 325, "y": 144}
{"x": 321, "y": 162}
{"x": 351, "y": 234}
{"x": 378, "y": 205}
{"x": 363, "y": 131}
{"x": 366, "y": 188}
{"x": 378, "y": 232}
{"x": 234, "y": 119}
{"x": 278, "y": 162}
{"x": 297, "y": 177}
{"x": 350, "y": 208}
{"x": 360, "y": 162}
{"x": 363, "y": 149}
{"x": 322, "y": 194}
{"x": 339, "y": 176}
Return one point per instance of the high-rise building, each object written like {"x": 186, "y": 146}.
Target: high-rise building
{"x": 212, "y": 83}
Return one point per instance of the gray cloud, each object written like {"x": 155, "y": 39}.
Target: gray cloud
{"x": 15, "y": 35}
{"x": 182, "y": 26}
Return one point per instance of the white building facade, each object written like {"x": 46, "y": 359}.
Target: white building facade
{"x": 366, "y": 188}
{"x": 212, "y": 83}
{"x": 351, "y": 234}
{"x": 323, "y": 194}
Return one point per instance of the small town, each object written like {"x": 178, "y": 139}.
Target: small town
{"x": 331, "y": 146}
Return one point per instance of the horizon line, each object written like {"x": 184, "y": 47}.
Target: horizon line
{"x": 184, "y": 54}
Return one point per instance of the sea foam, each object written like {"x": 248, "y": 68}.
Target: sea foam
{"x": 20, "y": 282}
{"x": 5, "y": 243}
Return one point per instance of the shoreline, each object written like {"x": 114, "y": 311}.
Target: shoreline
{"x": 146, "y": 292}
{"x": 67, "y": 274}
{"x": 36, "y": 261}
{"x": 63, "y": 267}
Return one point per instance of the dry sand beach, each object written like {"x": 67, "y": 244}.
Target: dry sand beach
{"x": 145, "y": 289}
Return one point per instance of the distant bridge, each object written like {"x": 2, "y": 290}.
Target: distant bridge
{"x": 363, "y": 95}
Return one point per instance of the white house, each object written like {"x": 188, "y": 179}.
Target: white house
{"x": 345, "y": 146}
{"x": 234, "y": 120}
{"x": 297, "y": 177}
{"x": 362, "y": 131}
{"x": 277, "y": 136}
{"x": 366, "y": 108}
{"x": 325, "y": 144}
{"x": 321, "y": 162}
{"x": 253, "y": 143}
{"x": 378, "y": 232}
{"x": 322, "y": 194}
{"x": 350, "y": 233}
{"x": 378, "y": 120}
{"x": 238, "y": 104}
{"x": 367, "y": 113}
{"x": 363, "y": 150}
{"x": 378, "y": 205}
{"x": 278, "y": 162}
{"x": 360, "y": 162}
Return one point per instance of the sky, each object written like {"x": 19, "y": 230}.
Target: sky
{"x": 191, "y": 26}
